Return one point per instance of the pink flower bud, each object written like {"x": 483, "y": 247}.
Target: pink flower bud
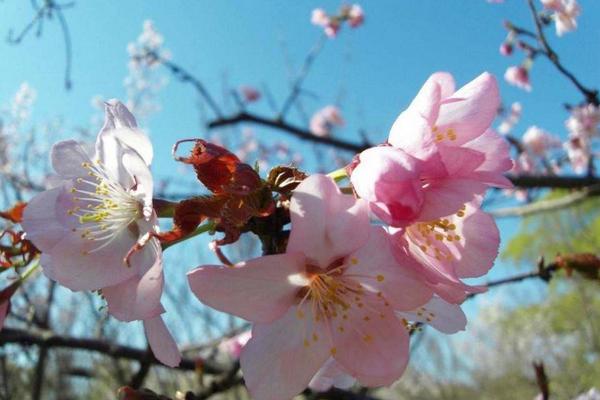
{"x": 518, "y": 76}
{"x": 506, "y": 49}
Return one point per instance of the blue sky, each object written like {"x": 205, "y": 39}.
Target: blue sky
{"x": 379, "y": 66}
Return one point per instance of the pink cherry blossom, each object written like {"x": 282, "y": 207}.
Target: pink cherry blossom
{"x": 565, "y": 14}
{"x": 538, "y": 141}
{"x": 579, "y": 153}
{"x": 584, "y": 121}
{"x": 332, "y": 294}
{"x": 518, "y": 76}
{"x": 86, "y": 225}
{"x": 250, "y": 93}
{"x": 356, "y": 16}
{"x": 459, "y": 156}
{"x": 461, "y": 245}
{"x": 319, "y": 17}
{"x": 445, "y": 317}
{"x": 324, "y": 120}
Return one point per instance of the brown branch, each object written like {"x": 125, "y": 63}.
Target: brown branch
{"x": 542, "y": 380}
{"x": 23, "y": 337}
{"x": 591, "y": 95}
{"x": 298, "y": 132}
{"x": 184, "y": 76}
{"x": 553, "y": 181}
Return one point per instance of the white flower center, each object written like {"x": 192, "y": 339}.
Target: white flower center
{"x": 109, "y": 208}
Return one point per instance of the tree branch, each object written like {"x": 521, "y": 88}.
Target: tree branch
{"x": 50, "y": 340}
{"x": 543, "y": 206}
{"x": 591, "y": 95}
{"x": 298, "y": 132}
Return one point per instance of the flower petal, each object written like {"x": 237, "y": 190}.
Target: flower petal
{"x": 443, "y": 316}
{"x": 258, "y": 290}
{"x": 380, "y": 271}
{"x": 161, "y": 342}
{"x": 471, "y": 110}
{"x": 411, "y": 132}
{"x": 497, "y": 161}
{"x": 67, "y": 158}
{"x": 480, "y": 240}
{"x": 446, "y": 196}
{"x": 139, "y": 296}
{"x": 371, "y": 343}
{"x": 279, "y": 361}
{"x": 96, "y": 269}
{"x": 326, "y": 224}
{"x": 331, "y": 375}
{"x": 40, "y": 220}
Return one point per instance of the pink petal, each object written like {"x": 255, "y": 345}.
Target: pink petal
{"x": 258, "y": 290}
{"x": 427, "y": 101}
{"x": 161, "y": 342}
{"x": 497, "y": 159}
{"x": 460, "y": 161}
{"x": 138, "y": 297}
{"x": 326, "y": 224}
{"x": 445, "y": 197}
{"x": 331, "y": 375}
{"x": 95, "y": 270}
{"x": 480, "y": 240}
{"x": 443, "y": 316}
{"x": 411, "y": 132}
{"x": 67, "y": 158}
{"x": 282, "y": 357}
{"x": 378, "y": 269}
{"x": 40, "y": 220}
{"x": 471, "y": 116}
{"x": 446, "y": 83}
{"x": 371, "y": 343}
{"x": 389, "y": 180}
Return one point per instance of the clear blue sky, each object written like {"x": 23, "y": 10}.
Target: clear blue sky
{"x": 380, "y": 66}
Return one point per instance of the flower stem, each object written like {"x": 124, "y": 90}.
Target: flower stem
{"x": 207, "y": 227}
{"x": 164, "y": 208}
{"x": 338, "y": 174}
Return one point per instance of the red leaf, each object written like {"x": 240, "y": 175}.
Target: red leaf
{"x": 14, "y": 214}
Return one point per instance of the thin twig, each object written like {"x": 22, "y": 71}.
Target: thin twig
{"x": 591, "y": 95}
{"x": 543, "y": 206}
{"x": 298, "y": 132}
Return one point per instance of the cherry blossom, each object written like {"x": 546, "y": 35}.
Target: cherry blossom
{"x": 538, "y": 141}
{"x": 518, "y": 76}
{"x": 565, "y": 14}
{"x": 461, "y": 245}
{"x": 513, "y": 117}
{"x": 356, "y": 16}
{"x": 86, "y": 225}
{"x": 458, "y": 155}
{"x": 324, "y": 120}
{"x": 332, "y": 294}
{"x": 584, "y": 121}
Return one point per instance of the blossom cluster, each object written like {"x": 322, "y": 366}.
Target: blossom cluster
{"x": 325, "y": 120}
{"x": 332, "y": 303}
{"x": 331, "y": 24}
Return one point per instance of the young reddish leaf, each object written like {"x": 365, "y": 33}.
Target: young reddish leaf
{"x": 220, "y": 170}
{"x": 587, "y": 264}
{"x": 14, "y": 214}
